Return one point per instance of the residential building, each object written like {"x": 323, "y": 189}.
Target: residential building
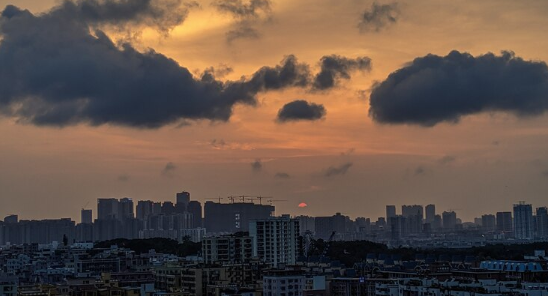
{"x": 275, "y": 240}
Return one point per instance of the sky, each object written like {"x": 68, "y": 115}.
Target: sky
{"x": 344, "y": 105}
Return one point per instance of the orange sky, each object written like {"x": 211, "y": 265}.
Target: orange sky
{"x": 491, "y": 160}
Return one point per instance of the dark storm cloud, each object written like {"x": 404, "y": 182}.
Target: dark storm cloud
{"x": 338, "y": 170}
{"x": 433, "y": 89}
{"x": 300, "y": 110}
{"x": 335, "y": 68}
{"x": 169, "y": 169}
{"x": 60, "y": 70}
{"x": 247, "y": 15}
{"x": 282, "y": 176}
{"x": 447, "y": 159}
{"x": 379, "y": 17}
{"x": 257, "y": 166}
{"x": 160, "y": 14}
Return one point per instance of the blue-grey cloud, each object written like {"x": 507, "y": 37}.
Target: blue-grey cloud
{"x": 338, "y": 170}
{"x": 334, "y": 68}
{"x": 59, "y": 69}
{"x": 379, "y": 17}
{"x": 433, "y": 89}
{"x": 300, "y": 110}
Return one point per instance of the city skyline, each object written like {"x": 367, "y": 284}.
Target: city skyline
{"x": 347, "y": 105}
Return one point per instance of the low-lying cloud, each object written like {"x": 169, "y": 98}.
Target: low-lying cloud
{"x": 434, "y": 89}
{"x": 300, "y": 110}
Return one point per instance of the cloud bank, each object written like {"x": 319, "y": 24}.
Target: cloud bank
{"x": 59, "y": 70}
{"x": 434, "y": 89}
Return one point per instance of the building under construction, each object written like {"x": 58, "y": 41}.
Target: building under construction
{"x": 235, "y": 216}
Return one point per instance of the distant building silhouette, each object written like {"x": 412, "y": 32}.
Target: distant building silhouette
{"x": 86, "y": 216}
{"x": 390, "y": 212}
{"x": 523, "y": 221}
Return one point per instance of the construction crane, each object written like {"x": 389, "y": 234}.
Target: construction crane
{"x": 251, "y": 198}
{"x": 307, "y": 244}
{"x": 219, "y": 199}
{"x": 328, "y": 244}
{"x": 273, "y": 200}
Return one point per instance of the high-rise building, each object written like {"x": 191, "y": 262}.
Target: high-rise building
{"x": 390, "y": 212}
{"x": 430, "y": 213}
{"x": 542, "y": 223}
{"x": 11, "y": 219}
{"x": 275, "y": 240}
{"x": 449, "y": 220}
{"x": 144, "y": 209}
{"x": 306, "y": 223}
{"x": 325, "y": 226}
{"x": 86, "y": 216}
{"x": 438, "y": 223}
{"x": 488, "y": 222}
{"x": 125, "y": 208}
{"x": 195, "y": 208}
{"x": 504, "y": 222}
{"x": 182, "y": 200}
{"x": 233, "y": 217}
{"x": 156, "y": 208}
{"x": 168, "y": 208}
{"x": 107, "y": 208}
{"x": 398, "y": 227}
{"x": 523, "y": 221}
{"x": 414, "y": 210}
